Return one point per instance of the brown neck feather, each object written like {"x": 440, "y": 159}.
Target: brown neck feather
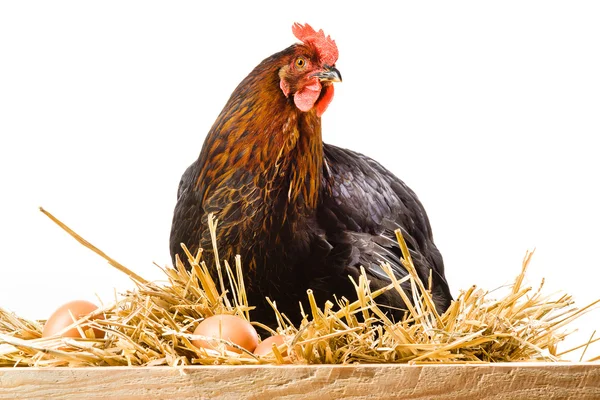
{"x": 305, "y": 161}
{"x": 262, "y": 135}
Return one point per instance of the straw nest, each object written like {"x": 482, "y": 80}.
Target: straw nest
{"x": 153, "y": 324}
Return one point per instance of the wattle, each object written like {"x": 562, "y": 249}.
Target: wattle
{"x": 323, "y": 103}
{"x": 306, "y": 98}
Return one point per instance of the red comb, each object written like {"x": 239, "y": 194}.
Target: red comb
{"x": 325, "y": 45}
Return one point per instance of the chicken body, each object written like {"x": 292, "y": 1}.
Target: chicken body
{"x": 302, "y": 214}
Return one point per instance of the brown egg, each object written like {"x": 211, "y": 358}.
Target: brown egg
{"x": 228, "y": 327}
{"x": 61, "y": 318}
{"x": 265, "y": 347}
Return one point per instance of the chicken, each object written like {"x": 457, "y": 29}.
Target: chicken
{"x": 301, "y": 213}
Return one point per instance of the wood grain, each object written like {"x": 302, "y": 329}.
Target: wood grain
{"x": 489, "y": 381}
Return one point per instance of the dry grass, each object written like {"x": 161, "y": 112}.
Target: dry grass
{"x": 153, "y": 324}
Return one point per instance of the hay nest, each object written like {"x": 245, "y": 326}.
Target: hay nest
{"x": 154, "y": 324}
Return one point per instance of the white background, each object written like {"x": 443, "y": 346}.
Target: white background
{"x": 489, "y": 112}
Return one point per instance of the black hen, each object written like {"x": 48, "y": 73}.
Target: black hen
{"x": 301, "y": 213}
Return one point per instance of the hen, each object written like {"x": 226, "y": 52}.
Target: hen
{"x": 302, "y": 214}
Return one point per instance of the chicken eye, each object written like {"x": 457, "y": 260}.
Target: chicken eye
{"x": 300, "y": 62}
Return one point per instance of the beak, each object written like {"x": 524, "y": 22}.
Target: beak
{"x": 329, "y": 74}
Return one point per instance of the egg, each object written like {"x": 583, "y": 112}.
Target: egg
{"x": 228, "y": 327}
{"x": 266, "y": 346}
{"x": 61, "y": 318}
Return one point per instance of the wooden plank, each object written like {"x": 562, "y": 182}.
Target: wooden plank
{"x": 489, "y": 381}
